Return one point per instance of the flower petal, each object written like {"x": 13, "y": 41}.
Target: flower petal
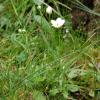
{"x": 53, "y": 22}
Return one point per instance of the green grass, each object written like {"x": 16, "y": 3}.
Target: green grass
{"x": 44, "y": 63}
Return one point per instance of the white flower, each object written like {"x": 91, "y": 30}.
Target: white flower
{"x": 57, "y": 23}
{"x": 49, "y": 10}
{"x": 38, "y": 7}
{"x": 21, "y": 30}
{"x": 67, "y": 30}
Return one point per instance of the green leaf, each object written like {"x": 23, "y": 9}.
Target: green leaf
{"x": 65, "y": 94}
{"x": 72, "y": 87}
{"x": 54, "y": 91}
{"x": 38, "y": 2}
{"x": 37, "y": 95}
{"x": 39, "y": 79}
{"x": 43, "y": 24}
{"x": 1, "y": 7}
{"x": 22, "y": 57}
{"x": 73, "y": 73}
{"x": 98, "y": 76}
{"x": 91, "y": 65}
{"x": 4, "y": 21}
{"x": 91, "y": 93}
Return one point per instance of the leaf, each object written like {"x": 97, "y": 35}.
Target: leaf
{"x": 91, "y": 93}
{"x": 43, "y": 23}
{"x": 65, "y": 94}
{"x": 1, "y": 7}
{"x": 38, "y": 79}
{"x": 73, "y": 73}
{"x": 91, "y": 65}
{"x": 4, "y": 21}
{"x": 73, "y": 88}
{"x": 37, "y": 95}
{"x": 54, "y": 91}
{"x": 22, "y": 57}
{"x": 38, "y": 2}
{"x": 98, "y": 76}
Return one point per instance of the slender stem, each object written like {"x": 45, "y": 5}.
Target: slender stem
{"x": 15, "y": 11}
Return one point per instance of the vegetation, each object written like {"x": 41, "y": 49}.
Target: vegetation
{"x": 39, "y": 61}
